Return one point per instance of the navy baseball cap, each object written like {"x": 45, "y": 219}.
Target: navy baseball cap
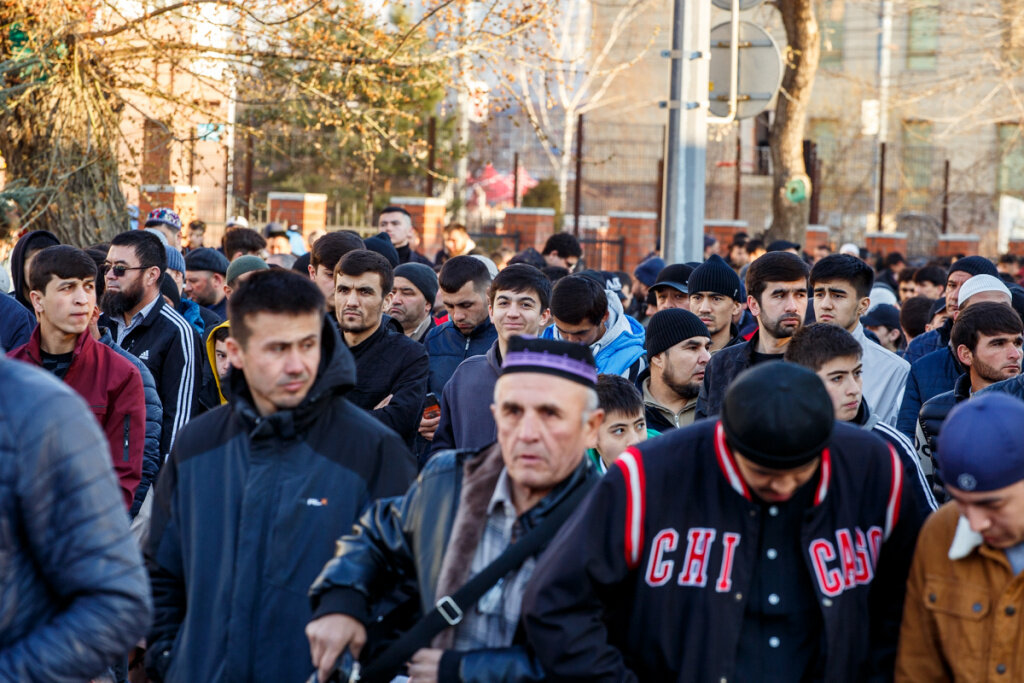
{"x": 981, "y": 447}
{"x": 674, "y": 276}
{"x": 885, "y": 315}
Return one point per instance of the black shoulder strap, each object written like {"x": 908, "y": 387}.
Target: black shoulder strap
{"x": 449, "y": 609}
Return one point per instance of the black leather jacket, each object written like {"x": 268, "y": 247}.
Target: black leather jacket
{"x": 405, "y": 538}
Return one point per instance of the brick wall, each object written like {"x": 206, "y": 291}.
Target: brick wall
{"x": 817, "y": 236}
{"x": 639, "y": 228}
{"x": 886, "y": 242}
{"x": 724, "y": 231}
{"x": 953, "y": 245}
{"x": 428, "y": 219}
{"x": 1016, "y": 247}
{"x": 183, "y": 199}
{"x": 308, "y": 211}
{"x": 533, "y": 225}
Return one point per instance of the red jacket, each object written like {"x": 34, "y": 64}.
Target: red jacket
{"x": 112, "y": 387}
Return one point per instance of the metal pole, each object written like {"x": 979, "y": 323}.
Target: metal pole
{"x": 881, "y": 185}
{"x": 515, "y": 180}
{"x": 579, "y": 177}
{"x": 431, "y": 154}
{"x": 816, "y": 190}
{"x": 737, "y": 189}
{"x": 249, "y": 163}
{"x": 945, "y": 197}
{"x": 686, "y": 146}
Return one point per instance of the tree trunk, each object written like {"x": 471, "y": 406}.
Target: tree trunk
{"x": 789, "y": 217}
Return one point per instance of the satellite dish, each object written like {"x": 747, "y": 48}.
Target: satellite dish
{"x": 760, "y": 70}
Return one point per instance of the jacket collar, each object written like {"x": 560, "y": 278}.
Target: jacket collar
{"x": 965, "y": 540}
{"x": 369, "y": 342}
{"x": 962, "y": 388}
{"x": 494, "y": 357}
{"x": 34, "y": 348}
{"x": 865, "y": 419}
{"x": 731, "y": 471}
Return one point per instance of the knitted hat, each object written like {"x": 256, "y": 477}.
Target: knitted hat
{"x": 975, "y": 265}
{"x": 492, "y": 267}
{"x": 175, "y": 261}
{"x": 381, "y": 243}
{"x": 782, "y": 245}
{"x": 422, "y": 278}
{"x": 981, "y": 447}
{"x": 671, "y": 326}
{"x": 715, "y": 275}
{"x": 169, "y": 288}
{"x": 163, "y": 216}
{"x": 778, "y": 415}
{"x": 569, "y": 361}
{"x": 242, "y": 265}
{"x": 647, "y": 272}
{"x": 979, "y": 284}
{"x": 207, "y": 258}
{"x": 674, "y": 276}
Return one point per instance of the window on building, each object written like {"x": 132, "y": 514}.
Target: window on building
{"x": 923, "y": 35}
{"x": 918, "y": 157}
{"x": 833, "y": 34}
{"x": 1011, "y": 159}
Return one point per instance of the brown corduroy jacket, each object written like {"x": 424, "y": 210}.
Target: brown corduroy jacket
{"x": 962, "y": 619}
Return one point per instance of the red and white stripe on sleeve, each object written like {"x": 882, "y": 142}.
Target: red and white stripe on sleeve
{"x": 632, "y": 468}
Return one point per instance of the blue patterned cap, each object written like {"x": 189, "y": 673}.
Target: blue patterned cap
{"x": 163, "y": 216}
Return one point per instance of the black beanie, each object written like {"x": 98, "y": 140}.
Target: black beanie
{"x": 778, "y": 415}
{"x": 422, "y": 278}
{"x": 715, "y": 275}
{"x": 169, "y": 288}
{"x": 671, "y": 326}
{"x": 381, "y": 243}
{"x": 974, "y": 265}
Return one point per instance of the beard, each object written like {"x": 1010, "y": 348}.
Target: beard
{"x": 987, "y": 372}
{"x": 116, "y": 304}
{"x": 776, "y": 329}
{"x": 686, "y": 390}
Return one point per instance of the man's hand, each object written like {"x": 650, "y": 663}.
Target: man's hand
{"x": 428, "y": 426}
{"x": 424, "y": 665}
{"x": 384, "y": 401}
{"x": 329, "y": 636}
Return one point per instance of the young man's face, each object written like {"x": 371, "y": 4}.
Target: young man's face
{"x": 820, "y": 252}
{"x": 928, "y": 289}
{"x": 518, "y": 313}
{"x": 584, "y": 332}
{"x": 618, "y": 432}
{"x": 954, "y": 282}
{"x": 467, "y": 308}
{"x": 279, "y": 245}
{"x": 682, "y": 366}
{"x": 715, "y": 310}
{"x": 455, "y": 241}
{"x": 555, "y": 259}
{"x": 995, "y": 358}
{"x": 887, "y": 336}
{"x": 670, "y": 297}
{"x": 408, "y": 305}
{"x": 997, "y": 515}
{"x": 323, "y": 277}
{"x": 280, "y": 358}
{"x": 771, "y": 485}
{"x": 220, "y": 355}
{"x": 836, "y": 303}
{"x": 67, "y": 304}
{"x": 937, "y": 321}
{"x": 398, "y": 227}
{"x": 908, "y": 290}
{"x": 738, "y": 256}
{"x": 358, "y": 301}
{"x": 842, "y": 378}
{"x": 781, "y": 310}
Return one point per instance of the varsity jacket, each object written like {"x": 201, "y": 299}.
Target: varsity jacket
{"x": 170, "y": 348}
{"x": 649, "y": 579}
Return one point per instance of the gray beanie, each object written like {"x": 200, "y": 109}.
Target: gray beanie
{"x": 421, "y": 276}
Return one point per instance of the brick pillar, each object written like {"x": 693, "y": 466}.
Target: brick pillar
{"x": 308, "y": 211}
{"x": 884, "y": 243}
{"x": 182, "y": 199}
{"x": 817, "y": 236}
{"x": 1016, "y": 247}
{"x": 953, "y": 245}
{"x": 428, "y": 219}
{"x": 724, "y": 231}
{"x": 533, "y": 225}
{"x": 639, "y": 228}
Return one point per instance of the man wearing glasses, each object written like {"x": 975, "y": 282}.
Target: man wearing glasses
{"x": 144, "y": 325}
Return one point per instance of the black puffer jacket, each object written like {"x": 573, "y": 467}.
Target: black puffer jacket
{"x": 404, "y": 539}
{"x": 73, "y": 593}
{"x": 933, "y": 413}
{"x": 247, "y": 511}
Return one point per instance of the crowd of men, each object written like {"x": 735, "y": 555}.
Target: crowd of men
{"x": 267, "y": 461}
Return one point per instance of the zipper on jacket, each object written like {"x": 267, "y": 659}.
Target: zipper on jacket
{"x": 127, "y": 429}
{"x": 466, "y": 350}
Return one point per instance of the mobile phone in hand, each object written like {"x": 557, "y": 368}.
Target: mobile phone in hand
{"x": 431, "y": 407}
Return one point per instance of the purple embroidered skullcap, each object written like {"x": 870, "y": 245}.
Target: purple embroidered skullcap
{"x": 569, "y": 361}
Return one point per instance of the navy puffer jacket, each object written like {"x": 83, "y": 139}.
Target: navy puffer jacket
{"x": 74, "y": 598}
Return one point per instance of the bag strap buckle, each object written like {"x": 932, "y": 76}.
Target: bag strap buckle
{"x": 449, "y": 610}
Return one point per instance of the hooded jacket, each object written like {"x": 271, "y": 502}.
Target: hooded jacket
{"x": 33, "y": 241}
{"x": 73, "y": 592}
{"x": 620, "y": 350}
{"x": 884, "y": 377}
{"x": 410, "y": 538}
{"x": 113, "y": 389}
{"x": 649, "y": 580}
{"x": 466, "y": 418}
{"x": 211, "y": 358}
{"x": 247, "y": 512}
{"x": 16, "y": 323}
{"x": 447, "y": 347}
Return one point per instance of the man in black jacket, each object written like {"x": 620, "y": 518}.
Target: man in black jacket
{"x": 141, "y": 322}
{"x": 391, "y": 368}
{"x": 777, "y": 297}
{"x": 463, "y": 512}
{"x": 256, "y": 492}
{"x": 678, "y": 350}
{"x": 770, "y": 545}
